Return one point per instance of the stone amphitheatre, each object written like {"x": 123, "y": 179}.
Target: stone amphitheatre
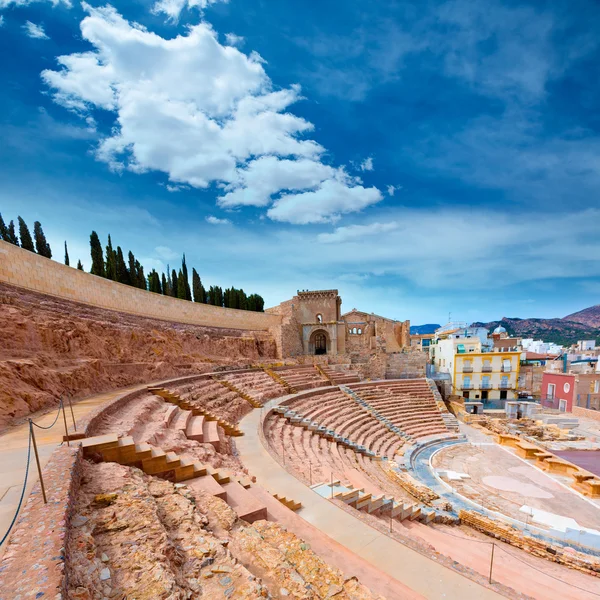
{"x": 297, "y": 453}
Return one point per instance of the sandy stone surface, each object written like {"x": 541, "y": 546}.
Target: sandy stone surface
{"x": 136, "y": 536}
{"x": 51, "y": 347}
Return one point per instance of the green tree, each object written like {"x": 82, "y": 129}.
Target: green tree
{"x": 215, "y": 295}
{"x": 111, "y": 261}
{"x": 3, "y": 229}
{"x": 42, "y": 246}
{"x": 79, "y": 265}
{"x": 154, "y": 282}
{"x": 198, "y": 288}
{"x": 66, "y": 254}
{"x": 165, "y": 288}
{"x": 140, "y": 278}
{"x": 122, "y": 272}
{"x": 174, "y": 284}
{"x": 97, "y": 256}
{"x": 26, "y": 241}
{"x": 133, "y": 274}
{"x": 181, "y": 290}
{"x": 255, "y": 302}
{"x": 12, "y": 234}
{"x": 188, "y": 291}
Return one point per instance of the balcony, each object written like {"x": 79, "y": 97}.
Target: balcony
{"x": 506, "y": 369}
{"x": 464, "y": 386}
{"x": 467, "y": 369}
{"x": 506, "y": 385}
{"x": 486, "y": 369}
{"x": 486, "y": 386}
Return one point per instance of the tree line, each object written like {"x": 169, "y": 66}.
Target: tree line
{"x": 110, "y": 263}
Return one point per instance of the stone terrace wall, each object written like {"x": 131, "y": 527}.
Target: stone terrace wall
{"x": 28, "y": 270}
{"x": 585, "y": 412}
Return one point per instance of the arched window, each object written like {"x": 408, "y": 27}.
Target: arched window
{"x": 359, "y": 331}
{"x": 354, "y": 330}
{"x": 319, "y": 318}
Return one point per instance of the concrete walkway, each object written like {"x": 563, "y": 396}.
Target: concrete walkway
{"x": 13, "y": 451}
{"x": 414, "y": 570}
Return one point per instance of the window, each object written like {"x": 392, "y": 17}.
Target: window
{"x": 596, "y": 386}
{"x": 466, "y": 383}
{"x": 319, "y": 318}
{"x": 359, "y": 331}
{"x": 551, "y": 391}
{"x": 567, "y": 388}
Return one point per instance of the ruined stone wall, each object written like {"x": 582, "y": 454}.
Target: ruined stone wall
{"x": 578, "y": 411}
{"x": 311, "y": 304}
{"x": 406, "y": 364}
{"x": 28, "y": 270}
{"x": 530, "y": 378}
{"x": 287, "y": 334}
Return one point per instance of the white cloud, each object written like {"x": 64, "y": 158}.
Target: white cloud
{"x": 327, "y": 203}
{"x": 392, "y": 189}
{"x": 216, "y": 221}
{"x": 353, "y": 233}
{"x": 7, "y": 3}
{"x": 367, "y": 164}
{"x": 35, "y": 31}
{"x": 204, "y": 114}
{"x": 175, "y": 188}
{"x": 234, "y": 40}
{"x": 1, "y": 20}
{"x": 173, "y": 8}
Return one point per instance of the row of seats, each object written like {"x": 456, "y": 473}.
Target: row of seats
{"x": 304, "y": 377}
{"x": 337, "y": 411}
{"x": 213, "y": 397}
{"x": 339, "y": 374}
{"x": 257, "y": 384}
{"x": 408, "y": 405}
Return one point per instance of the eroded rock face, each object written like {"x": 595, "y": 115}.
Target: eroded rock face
{"x": 51, "y": 347}
{"x": 136, "y": 536}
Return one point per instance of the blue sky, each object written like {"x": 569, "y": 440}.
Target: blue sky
{"x": 423, "y": 158}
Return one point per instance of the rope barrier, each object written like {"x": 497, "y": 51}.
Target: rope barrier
{"x": 22, "y": 491}
{"x": 60, "y": 406}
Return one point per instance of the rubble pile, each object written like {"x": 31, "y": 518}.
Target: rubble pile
{"x": 136, "y": 536}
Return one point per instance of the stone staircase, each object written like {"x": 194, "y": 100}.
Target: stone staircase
{"x": 295, "y": 418}
{"x": 337, "y": 375}
{"x": 450, "y": 421}
{"x": 153, "y": 460}
{"x": 290, "y": 389}
{"x": 200, "y": 420}
{"x": 384, "y": 420}
{"x": 252, "y": 401}
{"x": 288, "y": 502}
{"x": 380, "y": 505}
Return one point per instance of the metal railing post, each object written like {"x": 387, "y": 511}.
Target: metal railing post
{"x": 37, "y": 460}
{"x": 65, "y": 421}
{"x": 492, "y": 562}
{"x": 72, "y": 413}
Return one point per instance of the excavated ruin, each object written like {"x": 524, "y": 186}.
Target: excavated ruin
{"x": 51, "y": 347}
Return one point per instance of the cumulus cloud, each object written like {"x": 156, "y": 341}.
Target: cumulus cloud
{"x": 216, "y": 221}
{"x": 173, "y": 8}
{"x": 367, "y": 164}
{"x": 392, "y": 189}
{"x": 353, "y": 233}
{"x": 35, "y": 31}
{"x": 234, "y": 40}
{"x": 204, "y": 114}
{"x": 327, "y": 203}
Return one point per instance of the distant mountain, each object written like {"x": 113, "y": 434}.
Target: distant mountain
{"x": 423, "y": 329}
{"x": 583, "y": 325}
{"x": 588, "y": 316}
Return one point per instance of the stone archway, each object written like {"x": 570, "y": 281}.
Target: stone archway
{"x": 319, "y": 342}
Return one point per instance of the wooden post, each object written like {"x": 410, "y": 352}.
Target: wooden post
{"x": 332, "y": 485}
{"x": 65, "y": 420}
{"x": 492, "y": 562}
{"x": 72, "y": 413}
{"x": 37, "y": 460}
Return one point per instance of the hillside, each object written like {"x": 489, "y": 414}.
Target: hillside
{"x": 560, "y": 331}
{"x": 588, "y": 316}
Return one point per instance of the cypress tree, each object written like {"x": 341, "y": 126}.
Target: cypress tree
{"x": 42, "y": 246}
{"x": 154, "y": 282}
{"x": 251, "y": 302}
{"x": 66, "y": 255}
{"x": 79, "y": 265}
{"x": 255, "y": 302}
{"x": 241, "y": 300}
{"x": 181, "y": 291}
{"x": 111, "y": 261}
{"x": 188, "y": 291}
{"x": 12, "y": 234}
{"x": 140, "y": 278}
{"x": 227, "y": 298}
{"x": 122, "y": 272}
{"x": 165, "y": 289}
{"x": 174, "y": 283}
{"x": 3, "y": 229}
{"x": 26, "y": 241}
{"x": 196, "y": 286}
{"x": 97, "y": 256}
{"x": 133, "y": 274}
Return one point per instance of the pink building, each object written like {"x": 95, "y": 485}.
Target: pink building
{"x": 565, "y": 390}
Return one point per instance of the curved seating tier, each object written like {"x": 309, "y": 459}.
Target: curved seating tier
{"x": 337, "y": 412}
{"x": 407, "y": 404}
{"x": 258, "y": 385}
{"x": 209, "y": 395}
{"x": 303, "y": 377}
{"x": 339, "y": 374}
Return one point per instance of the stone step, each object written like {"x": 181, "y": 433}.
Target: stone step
{"x": 209, "y": 485}
{"x": 211, "y": 434}
{"x": 247, "y": 506}
{"x": 195, "y": 429}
